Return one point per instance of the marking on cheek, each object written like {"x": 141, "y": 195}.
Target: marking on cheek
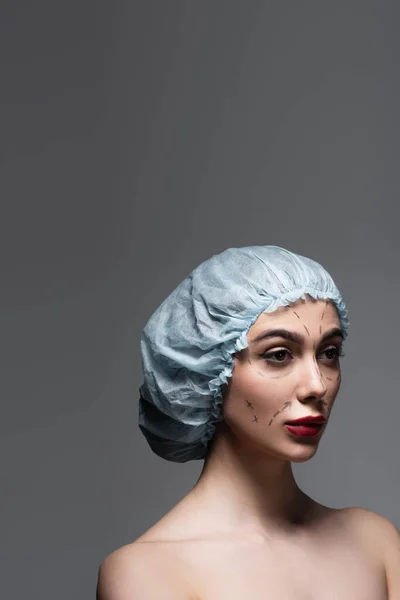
{"x": 249, "y": 404}
{"x": 306, "y": 329}
{"x": 255, "y": 419}
{"x": 278, "y": 376}
{"x": 286, "y": 405}
{"x": 261, "y": 374}
{"x": 249, "y": 361}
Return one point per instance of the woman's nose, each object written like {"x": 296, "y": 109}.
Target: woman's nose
{"x": 311, "y": 384}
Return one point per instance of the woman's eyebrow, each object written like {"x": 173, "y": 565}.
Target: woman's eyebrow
{"x": 295, "y": 337}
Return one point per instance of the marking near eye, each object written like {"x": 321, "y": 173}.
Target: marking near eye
{"x": 261, "y": 374}
{"x": 278, "y": 376}
{"x": 328, "y": 378}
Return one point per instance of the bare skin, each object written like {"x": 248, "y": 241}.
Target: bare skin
{"x": 246, "y": 530}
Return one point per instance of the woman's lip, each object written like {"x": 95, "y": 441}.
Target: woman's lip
{"x": 304, "y": 430}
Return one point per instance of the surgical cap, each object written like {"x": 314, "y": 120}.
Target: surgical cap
{"x": 188, "y": 343}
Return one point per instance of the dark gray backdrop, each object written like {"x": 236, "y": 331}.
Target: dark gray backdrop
{"x": 137, "y": 139}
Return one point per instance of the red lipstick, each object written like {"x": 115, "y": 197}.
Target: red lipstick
{"x": 306, "y": 426}
{"x": 319, "y": 420}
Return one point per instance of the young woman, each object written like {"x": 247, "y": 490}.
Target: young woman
{"x": 241, "y": 368}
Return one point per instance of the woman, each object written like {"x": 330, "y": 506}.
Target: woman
{"x": 249, "y": 343}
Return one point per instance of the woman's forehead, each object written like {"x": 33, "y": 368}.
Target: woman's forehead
{"x": 296, "y": 314}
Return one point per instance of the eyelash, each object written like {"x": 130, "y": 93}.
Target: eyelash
{"x": 266, "y": 355}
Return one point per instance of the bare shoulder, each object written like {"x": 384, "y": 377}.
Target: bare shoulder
{"x": 139, "y": 571}
{"x": 371, "y": 524}
{"x": 383, "y": 537}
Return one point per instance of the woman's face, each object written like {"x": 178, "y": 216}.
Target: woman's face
{"x": 290, "y": 370}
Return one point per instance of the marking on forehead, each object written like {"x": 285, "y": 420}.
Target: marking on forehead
{"x": 296, "y": 314}
{"x": 320, "y": 329}
{"x": 255, "y": 419}
{"x": 322, "y": 316}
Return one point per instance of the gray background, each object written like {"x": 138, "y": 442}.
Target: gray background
{"x": 138, "y": 139}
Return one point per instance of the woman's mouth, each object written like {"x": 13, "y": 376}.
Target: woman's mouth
{"x": 308, "y": 430}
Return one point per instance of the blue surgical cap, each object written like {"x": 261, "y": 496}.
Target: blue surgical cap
{"x": 188, "y": 343}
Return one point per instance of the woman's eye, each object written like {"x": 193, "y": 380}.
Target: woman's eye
{"x": 277, "y": 356}
{"x": 333, "y": 353}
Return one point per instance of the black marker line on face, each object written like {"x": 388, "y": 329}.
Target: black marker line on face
{"x": 255, "y": 419}
{"x": 249, "y": 404}
{"x": 278, "y": 376}
{"x": 286, "y": 405}
{"x": 320, "y": 329}
{"x": 296, "y": 314}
